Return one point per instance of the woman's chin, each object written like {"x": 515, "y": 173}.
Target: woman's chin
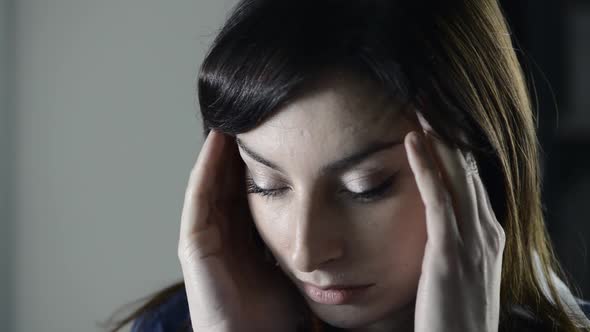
{"x": 350, "y": 316}
{"x": 345, "y": 316}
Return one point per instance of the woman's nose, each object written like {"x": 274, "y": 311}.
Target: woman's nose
{"x": 316, "y": 240}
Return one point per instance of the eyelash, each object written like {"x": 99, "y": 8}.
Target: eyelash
{"x": 368, "y": 196}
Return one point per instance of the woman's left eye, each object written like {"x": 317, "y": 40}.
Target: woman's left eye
{"x": 372, "y": 194}
{"x": 368, "y": 196}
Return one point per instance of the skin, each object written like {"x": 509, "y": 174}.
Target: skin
{"x": 431, "y": 247}
{"x": 321, "y": 236}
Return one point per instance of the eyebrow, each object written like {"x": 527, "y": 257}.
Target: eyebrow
{"x": 338, "y": 165}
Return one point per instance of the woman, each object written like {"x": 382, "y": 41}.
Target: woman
{"x": 368, "y": 166}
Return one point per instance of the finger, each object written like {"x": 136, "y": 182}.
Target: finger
{"x": 440, "y": 217}
{"x": 425, "y": 125}
{"x": 233, "y": 181}
{"x": 200, "y": 189}
{"x": 457, "y": 175}
{"x": 490, "y": 224}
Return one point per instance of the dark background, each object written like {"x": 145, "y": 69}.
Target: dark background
{"x": 553, "y": 42}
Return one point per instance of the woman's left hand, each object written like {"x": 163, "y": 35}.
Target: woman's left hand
{"x": 459, "y": 288}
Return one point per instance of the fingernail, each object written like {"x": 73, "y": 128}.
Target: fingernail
{"x": 425, "y": 125}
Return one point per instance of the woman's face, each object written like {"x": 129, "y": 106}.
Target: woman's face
{"x": 314, "y": 222}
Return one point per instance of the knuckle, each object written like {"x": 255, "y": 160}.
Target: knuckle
{"x": 199, "y": 244}
{"x": 469, "y": 177}
{"x": 497, "y": 239}
{"x": 185, "y": 251}
{"x": 182, "y": 253}
{"x": 501, "y": 237}
{"x": 477, "y": 256}
{"x": 471, "y": 164}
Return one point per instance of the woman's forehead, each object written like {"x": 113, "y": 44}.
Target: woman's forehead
{"x": 334, "y": 108}
{"x": 311, "y": 133}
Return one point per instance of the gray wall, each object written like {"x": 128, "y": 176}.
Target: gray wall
{"x": 105, "y": 133}
{"x": 6, "y": 78}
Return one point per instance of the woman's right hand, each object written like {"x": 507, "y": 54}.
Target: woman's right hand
{"x": 229, "y": 286}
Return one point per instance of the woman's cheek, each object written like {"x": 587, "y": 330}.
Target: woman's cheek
{"x": 269, "y": 222}
{"x": 407, "y": 224}
{"x": 397, "y": 220}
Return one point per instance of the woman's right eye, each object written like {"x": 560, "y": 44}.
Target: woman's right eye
{"x": 253, "y": 188}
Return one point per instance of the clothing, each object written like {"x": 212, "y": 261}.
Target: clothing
{"x": 168, "y": 317}
{"x": 174, "y": 313}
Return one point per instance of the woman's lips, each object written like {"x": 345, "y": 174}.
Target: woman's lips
{"x": 334, "y": 295}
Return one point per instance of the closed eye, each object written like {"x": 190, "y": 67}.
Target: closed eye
{"x": 253, "y": 188}
{"x": 374, "y": 193}
{"x": 368, "y": 196}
